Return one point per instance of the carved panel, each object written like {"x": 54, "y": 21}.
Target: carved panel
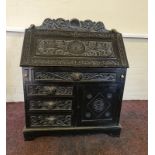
{"x": 80, "y": 41}
{"x": 49, "y": 90}
{"x": 98, "y": 105}
{"x": 50, "y": 120}
{"x": 46, "y": 47}
{"x": 69, "y": 76}
{"x": 51, "y": 105}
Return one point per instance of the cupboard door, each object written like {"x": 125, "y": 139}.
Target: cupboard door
{"x": 99, "y": 104}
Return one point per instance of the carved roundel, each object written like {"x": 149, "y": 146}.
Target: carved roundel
{"x": 76, "y": 47}
{"x": 98, "y": 105}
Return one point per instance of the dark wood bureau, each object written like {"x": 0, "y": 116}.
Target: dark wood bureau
{"x": 73, "y": 77}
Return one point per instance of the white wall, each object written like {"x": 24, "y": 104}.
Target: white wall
{"x": 127, "y": 16}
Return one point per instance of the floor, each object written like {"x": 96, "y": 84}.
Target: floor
{"x": 133, "y": 139}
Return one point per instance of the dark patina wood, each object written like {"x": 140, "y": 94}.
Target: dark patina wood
{"x": 73, "y": 76}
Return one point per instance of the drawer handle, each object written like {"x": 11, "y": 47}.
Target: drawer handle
{"x": 51, "y": 119}
{"x": 51, "y": 104}
{"x": 51, "y": 90}
{"x": 76, "y": 76}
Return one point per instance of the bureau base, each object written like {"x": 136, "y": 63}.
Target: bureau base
{"x": 30, "y": 134}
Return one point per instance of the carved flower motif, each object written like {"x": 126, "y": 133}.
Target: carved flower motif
{"x": 76, "y": 47}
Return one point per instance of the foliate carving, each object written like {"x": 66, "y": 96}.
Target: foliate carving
{"x": 99, "y": 76}
{"x": 68, "y": 76}
{"x": 49, "y": 90}
{"x": 72, "y": 25}
{"x": 50, "y": 120}
{"x": 98, "y": 105}
{"x": 51, "y": 105}
{"x": 46, "y": 47}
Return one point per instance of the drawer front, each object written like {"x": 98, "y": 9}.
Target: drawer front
{"x": 49, "y": 90}
{"x": 50, "y": 120}
{"x": 52, "y": 104}
{"x": 73, "y": 76}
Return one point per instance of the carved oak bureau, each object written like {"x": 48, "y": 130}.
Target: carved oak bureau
{"x": 73, "y": 78}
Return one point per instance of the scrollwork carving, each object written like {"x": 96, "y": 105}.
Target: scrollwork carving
{"x": 68, "y": 76}
{"x": 50, "y": 120}
{"x": 46, "y": 90}
{"x": 51, "y": 105}
{"x": 46, "y": 47}
{"x": 74, "y": 24}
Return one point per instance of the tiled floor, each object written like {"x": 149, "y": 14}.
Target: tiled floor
{"x": 133, "y": 139}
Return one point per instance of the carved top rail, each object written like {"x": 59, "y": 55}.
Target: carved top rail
{"x": 72, "y": 25}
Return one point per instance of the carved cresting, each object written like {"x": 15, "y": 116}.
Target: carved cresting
{"x": 49, "y": 90}
{"x": 50, "y": 120}
{"x": 46, "y": 47}
{"x": 74, "y": 24}
{"x": 69, "y": 76}
{"x": 51, "y": 105}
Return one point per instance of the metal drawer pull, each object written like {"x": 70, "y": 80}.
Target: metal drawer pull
{"x": 51, "y": 90}
{"x": 51, "y": 104}
{"x": 76, "y": 76}
{"x": 50, "y": 118}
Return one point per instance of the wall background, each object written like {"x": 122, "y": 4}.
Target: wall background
{"x": 127, "y": 16}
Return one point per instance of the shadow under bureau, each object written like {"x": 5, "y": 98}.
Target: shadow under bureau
{"x": 73, "y": 78}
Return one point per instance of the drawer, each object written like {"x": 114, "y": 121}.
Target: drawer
{"x": 43, "y": 75}
{"x": 50, "y": 104}
{"x": 49, "y": 90}
{"x": 41, "y": 120}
